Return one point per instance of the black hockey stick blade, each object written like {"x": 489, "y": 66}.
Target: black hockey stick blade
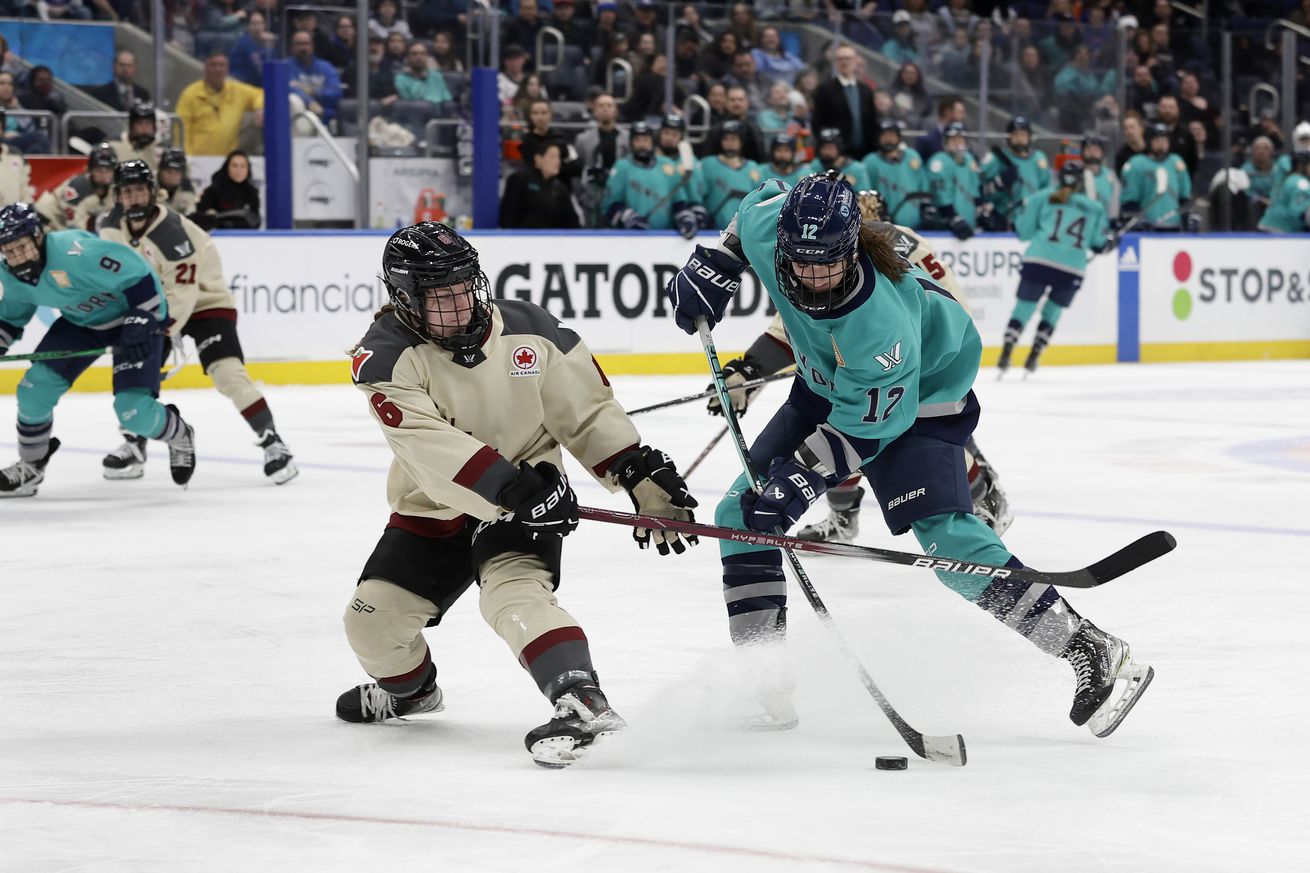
{"x": 1132, "y": 556}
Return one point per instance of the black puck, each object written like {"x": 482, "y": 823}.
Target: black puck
{"x": 890, "y": 762}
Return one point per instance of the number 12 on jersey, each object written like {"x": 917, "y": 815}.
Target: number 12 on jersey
{"x": 894, "y": 395}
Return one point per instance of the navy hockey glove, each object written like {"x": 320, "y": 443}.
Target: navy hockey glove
{"x": 1111, "y": 242}
{"x": 1009, "y": 176}
{"x": 685, "y": 219}
{"x": 703, "y": 218}
{"x": 542, "y": 501}
{"x": 704, "y": 287}
{"x": 628, "y": 219}
{"x": 735, "y": 373}
{"x": 930, "y": 215}
{"x": 790, "y": 491}
{"x": 134, "y": 338}
{"x": 656, "y": 488}
{"x": 1191, "y": 222}
{"x": 961, "y": 228}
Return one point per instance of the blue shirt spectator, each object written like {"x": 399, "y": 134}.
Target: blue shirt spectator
{"x": 251, "y": 51}
{"x": 772, "y": 61}
{"x": 315, "y": 81}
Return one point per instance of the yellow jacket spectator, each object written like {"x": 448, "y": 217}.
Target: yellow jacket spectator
{"x": 213, "y": 108}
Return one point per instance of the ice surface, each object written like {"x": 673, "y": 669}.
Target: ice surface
{"x": 170, "y": 661}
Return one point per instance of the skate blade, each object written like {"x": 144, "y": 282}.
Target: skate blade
{"x": 556, "y": 753}
{"x": 765, "y": 725}
{"x": 1135, "y": 679}
{"x": 21, "y": 492}
{"x": 285, "y": 475}
{"x": 136, "y": 471}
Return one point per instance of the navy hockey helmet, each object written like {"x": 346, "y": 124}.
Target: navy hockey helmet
{"x": 135, "y": 172}
{"x": 141, "y": 110}
{"x": 1018, "y": 122}
{"x": 732, "y": 127}
{"x": 1092, "y": 140}
{"x": 423, "y": 260}
{"x": 173, "y": 158}
{"x": 102, "y": 156}
{"x": 818, "y": 231}
{"x": 19, "y": 221}
{"x": 783, "y": 141}
{"x": 1071, "y": 174}
{"x": 830, "y": 135}
{"x": 673, "y": 122}
{"x": 1156, "y": 131}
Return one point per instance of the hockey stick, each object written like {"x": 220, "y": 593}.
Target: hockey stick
{"x": 944, "y": 749}
{"x": 1125, "y": 560}
{"x": 705, "y": 452}
{"x": 709, "y": 392}
{"x": 55, "y": 356}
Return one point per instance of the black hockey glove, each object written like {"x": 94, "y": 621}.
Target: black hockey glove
{"x": 704, "y": 287}
{"x": 961, "y": 228}
{"x": 628, "y": 218}
{"x": 930, "y": 216}
{"x": 542, "y": 501}
{"x": 134, "y": 338}
{"x": 1191, "y": 222}
{"x": 737, "y": 372}
{"x": 653, "y": 483}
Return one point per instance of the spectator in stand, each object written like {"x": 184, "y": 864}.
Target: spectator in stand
{"x": 513, "y": 60}
{"x": 955, "y": 61}
{"x": 1265, "y": 175}
{"x": 577, "y": 31}
{"x": 251, "y": 51}
{"x": 717, "y": 96}
{"x": 122, "y": 91}
{"x": 381, "y": 80}
{"x": 1209, "y": 161}
{"x": 530, "y": 90}
{"x": 772, "y": 61}
{"x": 686, "y": 61}
{"x": 604, "y": 142}
{"x": 1143, "y": 92}
{"x": 950, "y": 108}
{"x": 340, "y": 48}
{"x": 420, "y": 82}
{"x": 1058, "y": 48}
{"x": 524, "y": 27}
{"x": 742, "y": 23}
{"x": 213, "y": 109}
{"x": 314, "y": 80}
{"x": 1134, "y": 132}
{"x": 716, "y": 60}
{"x": 40, "y": 93}
{"x": 846, "y": 104}
{"x": 306, "y": 19}
{"x": 1077, "y": 89}
{"x": 689, "y": 19}
{"x": 444, "y": 57}
{"x": 1164, "y": 67}
{"x": 536, "y": 196}
{"x": 222, "y": 21}
{"x": 616, "y": 48}
{"x": 909, "y": 98}
{"x": 541, "y": 132}
{"x": 901, "y": 49}
{"x": 926, "y": 25}
{"x": 644, "y": 20}
{"x": 396, "y": 47}
{"x": 776, "y": 117}
{"x": 805, "y": 86}
{"x": 1195, "y": 107}
{"x": 736, "y": 107}
{"x": 643, "y": 50}
{"x": 1032, "y": 88}
{"x": 956, "y": 15}
{"x": 434, "y": 15}
{"x": 386, "y": 20}
{"x": 9, "y": 62}
{"x": 647, "y": 98}
{"x": 231, "y": 200}
{"x": 20, "y": 134}
{"x": 744, "y": 75}
{"x": 1181, "y": 142}
{"x": 607, "y": 23}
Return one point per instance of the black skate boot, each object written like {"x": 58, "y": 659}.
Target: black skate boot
{"x": 128, "y": 461}
{"x": 582, "y": 714}
{"x": 1040, "y": 341}
{"x": 370, "y": 704}
{"x": 841, "y": 525}
{"x": 182, "y": 450}
{"x": 1003, "y": 362}
{"x": 21, "y": 478}
{"x": 278, "y": 464}
{"x": 1109, "y": 682}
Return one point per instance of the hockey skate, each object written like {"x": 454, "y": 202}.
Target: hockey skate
{"x": 128, "y": 461}
{"x": 764, "y": 684}
{"x": 582, "y": 715}
{"x": 776, "y": 713}
{"x": 1003, "y": 362}
{"x": 841, "y": 526}
{"x": 1109, "y": 681}
{"x": 1030, "y": 365}
{"x": 22, "y": 478}
{"x": 182, "y": 452}
{"x": 370, "y": 704}
{"x": 278, "y": 464}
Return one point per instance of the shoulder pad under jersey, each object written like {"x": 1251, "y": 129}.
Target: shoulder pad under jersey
{"x": 902, "y": 243}
{"x": 376, "y": 355}
{"x": 171, "y": 238}
{"x": 112, "y": 218}
{"x": 521, "y": 317}
{"x": 78, "y": 187}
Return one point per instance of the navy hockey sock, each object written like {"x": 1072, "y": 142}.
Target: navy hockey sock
{"x": 34, "y": 440}
{"x": 1035, "y": 611}
{"x": 755, "y": 592}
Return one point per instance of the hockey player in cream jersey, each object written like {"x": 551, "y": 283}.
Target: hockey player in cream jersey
{"x": 476, "y": 487}
{"x": 58, "y": 206}
{"x": 772, "y": 353}
{"x": 188, "y": 265}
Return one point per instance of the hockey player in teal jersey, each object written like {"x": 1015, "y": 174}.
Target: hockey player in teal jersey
{"x": 1012, "y": 173}
{"x": 107, "y": 296}
{"x": 726, "y": 177}
{"x": 1289, "y": 210}
{"x": 782, "y": 153}
{"x": 1099, "y": 182}
{"x": 1157, "y": 185}
{"x": 1061, "y": 225}
{"x": 897, "y": 172}
{"x": 956, "y": 184}
{"x": 886, "y": 361}
{"x": 829, "y": 156}
{"x": 646, "y": 190}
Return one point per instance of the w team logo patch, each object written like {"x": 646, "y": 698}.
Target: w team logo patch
{"x": 525, "y": 362}
{"x": 890, "y": 358}
{"x": 357, "y": 361}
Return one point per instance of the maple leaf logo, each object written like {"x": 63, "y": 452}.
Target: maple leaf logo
{"x": 357, "y": 361}
{"x": 524, "y": 358}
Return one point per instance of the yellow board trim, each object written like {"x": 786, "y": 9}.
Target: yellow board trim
{"x": 1268, "y": 350}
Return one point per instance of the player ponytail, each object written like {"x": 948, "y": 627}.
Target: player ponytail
{"x": 386, "y": 308}
{"x": 878, "y": 241}
{"x": 1061, "y": 195}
